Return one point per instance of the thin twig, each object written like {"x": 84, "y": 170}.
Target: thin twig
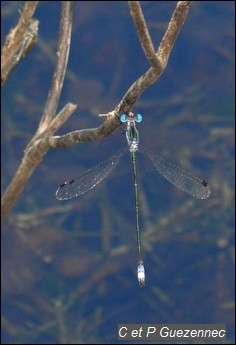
{"x": 174, "y": 26}
{"x": 137, "y": 88}
{"x": 144, "y": 37}
{"x": 91, "y": 134}
{"x": 30, "y": 162}
{"x": 43, "y": 139}
{"x": 39, "y": 145}
{"x": 20, "y": 40}
{"x": 163, "y": 53}
{"x": 60, "y": 69}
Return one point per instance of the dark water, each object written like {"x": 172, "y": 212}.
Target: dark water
{"x": 68, "y": 268}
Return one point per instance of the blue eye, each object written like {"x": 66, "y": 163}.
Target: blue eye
{"x": 123, "y": 118}
{"x": 139, "y": 118}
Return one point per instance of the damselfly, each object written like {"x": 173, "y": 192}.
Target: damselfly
{"x": 174, "y": 174}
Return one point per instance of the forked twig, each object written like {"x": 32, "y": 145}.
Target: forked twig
{"x": 39, "y": 144}
{"x": 20, "y": 40}
{"x": 50, "y": 123}
{"x": 141, "y": 84}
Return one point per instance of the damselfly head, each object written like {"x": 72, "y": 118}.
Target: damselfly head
{"x": 131, "y": 117}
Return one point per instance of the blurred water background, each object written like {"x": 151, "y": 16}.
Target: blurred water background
{"x": 69, "y": 268}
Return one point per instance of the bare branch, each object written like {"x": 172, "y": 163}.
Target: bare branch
{"x": 144, "y": 37}
{"x": 159, "y": 60}
{"x": 175, "y": 24}
{"x": 138, "y": 87}
{"x": 20, "y": 40}
{"x": 28, "y": 165}
{"x": 163, "y": 53}
{"x": 33, "y": 156}
{"x": 61, "y": 118}
{"x": 43, "y": 139}
{"x": 91, "y": 134}
{"x": 39, "y": 144}
{"x": 61, "y": 64}
{"x": 56, "y": 123}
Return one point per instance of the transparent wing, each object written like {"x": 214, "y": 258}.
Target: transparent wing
{"x": 88, "y": 179}
{"x": 177, "y": 176}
